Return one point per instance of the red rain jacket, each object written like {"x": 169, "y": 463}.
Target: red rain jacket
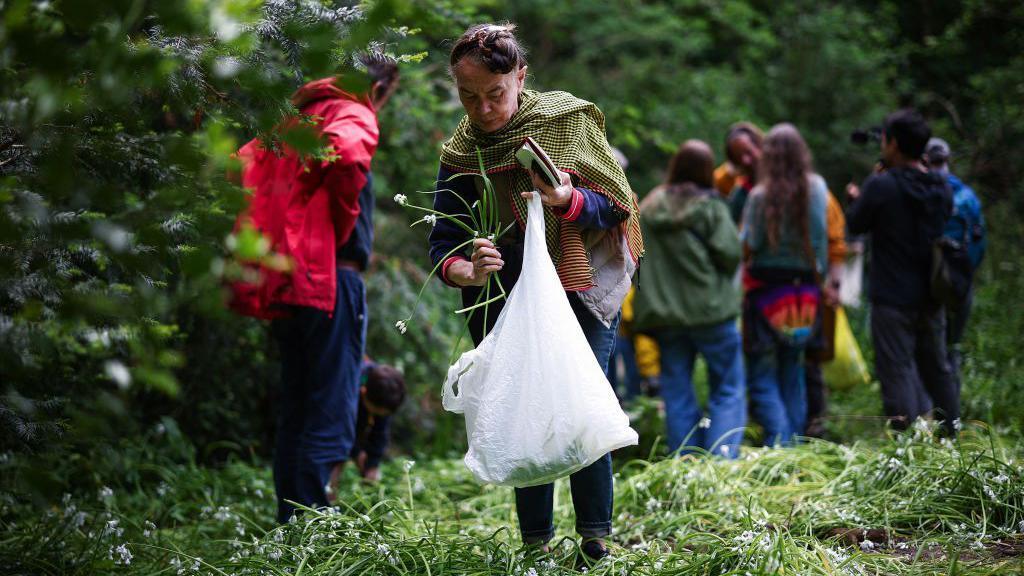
{"x": 306, "y": 209}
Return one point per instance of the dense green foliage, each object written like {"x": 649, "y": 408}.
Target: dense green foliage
{"x": 119, "y": 365}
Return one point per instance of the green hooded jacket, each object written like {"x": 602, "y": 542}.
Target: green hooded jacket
{"x": 693, "y": 250}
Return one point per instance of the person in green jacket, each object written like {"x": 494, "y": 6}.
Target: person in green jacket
{"x": 687, "y": 300}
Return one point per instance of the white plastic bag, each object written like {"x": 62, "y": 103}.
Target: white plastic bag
{"x": 537, "y": 404}
{"x": 852, "y": 280}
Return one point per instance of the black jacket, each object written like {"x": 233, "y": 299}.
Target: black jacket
{"x": 904, "y": 210}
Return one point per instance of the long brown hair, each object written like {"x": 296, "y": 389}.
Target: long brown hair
{"x": 691, "y": 168}
{"x": 783, "y": 172}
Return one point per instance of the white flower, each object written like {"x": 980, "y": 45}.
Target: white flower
{"x": 838, "y": 556}
{"x": 402, "y": 326}
{"x": 106, "y": 493}
{"x": 223, "y": 514}
{"x": 401, "y": 199}
{"x": 148, "y": 529}
{"x": 653, "y": 504}
{"x": 704, "y": 423}
{"x": 957, "y": 425}
{"x": 409, "y": 464}
{"x": 990, "y": 492}
{"x": 430, "y": 219}
{"x": 117, "y": 372}
{"x": 745, "y": 538}
{"x": 1001, "y": 479}
{"x": 112, "y": 529}
{"x": 124, "y": 556}
{"x": 79, "y": 520}
{"x": 724, "y": 449}
{"x": 867, "y": 545}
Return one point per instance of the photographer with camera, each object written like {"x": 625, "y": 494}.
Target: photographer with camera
{"x": 905, "y": 208}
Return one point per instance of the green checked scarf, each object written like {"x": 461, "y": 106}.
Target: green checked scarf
{"x": 572, "y": 132}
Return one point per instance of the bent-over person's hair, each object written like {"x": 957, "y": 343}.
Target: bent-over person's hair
{"x": 784, "y": 171}
{"x": 493, "y": 45}
{"x": 385, "y": 387}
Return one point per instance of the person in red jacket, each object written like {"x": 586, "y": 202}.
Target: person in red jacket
{"x": 316, "y": 213}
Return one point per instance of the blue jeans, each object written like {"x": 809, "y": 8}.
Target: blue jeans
{"x": 592, "y": 486}
{"x": 777, "y": 393}
{"x": 721, "y": 347}
{"x": 624, "y": 349}
{"x": 321, "y": 356}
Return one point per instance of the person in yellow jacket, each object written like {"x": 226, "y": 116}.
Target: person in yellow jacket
{"x": 638, "y": 354}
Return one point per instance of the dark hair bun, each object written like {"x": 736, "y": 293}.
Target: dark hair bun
{"x": 493, "y": 45}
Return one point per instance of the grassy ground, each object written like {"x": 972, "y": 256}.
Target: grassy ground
{"x": 913, "y": 504}
{"x": 860, "y": 502}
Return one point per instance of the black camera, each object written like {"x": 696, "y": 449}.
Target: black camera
{"x": 864, "y": 136}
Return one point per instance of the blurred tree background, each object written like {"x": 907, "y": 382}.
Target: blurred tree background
{"x": 118, "y": 118}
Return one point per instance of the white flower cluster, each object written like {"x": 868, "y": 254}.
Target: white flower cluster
{"x": 401, "y": 199}
{"x": 402, "y": 326}
{"x": 120, "y": 555}
{"x": 112, "y": 529}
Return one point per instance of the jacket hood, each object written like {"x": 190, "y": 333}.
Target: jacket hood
{"x": 323, "y": 89}
{"x": 673, "y": 209}
{"x": 924, "y": 186}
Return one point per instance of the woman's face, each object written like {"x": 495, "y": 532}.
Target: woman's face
{"x": 490, "y": 99}
{"x": 745, "y": 152}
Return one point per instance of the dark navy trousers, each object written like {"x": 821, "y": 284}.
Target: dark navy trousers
{"x": 321, "y": 356}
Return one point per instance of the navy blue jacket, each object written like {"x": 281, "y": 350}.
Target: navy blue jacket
{"x": 360, "y": 244}
{"x": 588, "y": 209}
